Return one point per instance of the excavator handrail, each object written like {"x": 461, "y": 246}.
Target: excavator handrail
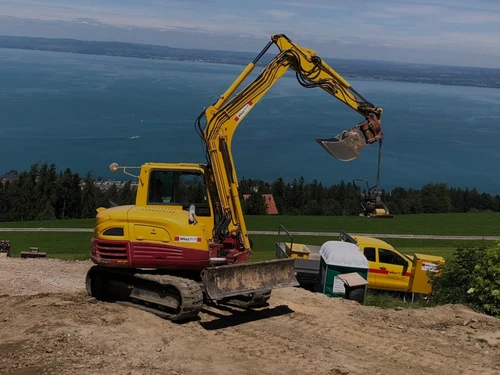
{"x": 287, "y": 232}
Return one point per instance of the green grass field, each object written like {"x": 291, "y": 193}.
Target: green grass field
{"x": 478, "y": 224}
{"x": 77, "y": 245}
{"x": 70, "y": 246}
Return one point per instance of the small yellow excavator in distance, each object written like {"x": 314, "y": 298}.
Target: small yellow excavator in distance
{"x": 372, "y": 204}
{"x": 184, "y": 242}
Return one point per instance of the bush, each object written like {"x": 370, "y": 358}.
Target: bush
{"x": 485, "y": 288}
{"x": 471, "y": 278}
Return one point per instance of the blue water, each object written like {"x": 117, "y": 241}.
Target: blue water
{"x": 79, "y": 111}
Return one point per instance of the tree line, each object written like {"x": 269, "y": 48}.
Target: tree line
{"x": 42, "y": 193}
{"x": 301, "y": 198}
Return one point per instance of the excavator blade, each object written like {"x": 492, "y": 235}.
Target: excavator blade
{"x": 346, "y": 146}
{"x": 245, "y": 278}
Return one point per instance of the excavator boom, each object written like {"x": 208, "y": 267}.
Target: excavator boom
{"x": 223, "y": 117}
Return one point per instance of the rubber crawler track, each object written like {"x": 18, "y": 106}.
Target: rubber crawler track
{"x": 118, "y": 286}
{"x": 190, "y": 293}
{"x": 156, "y": 293}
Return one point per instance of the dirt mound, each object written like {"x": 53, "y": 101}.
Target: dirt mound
{"x": 50, "y": 326}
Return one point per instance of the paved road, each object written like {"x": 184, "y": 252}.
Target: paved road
{"x": 274, "y": 233}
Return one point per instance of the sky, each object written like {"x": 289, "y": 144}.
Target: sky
{"x": 453, "y": 32}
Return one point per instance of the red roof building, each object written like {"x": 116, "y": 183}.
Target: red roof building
{"x": 270, "y": 203}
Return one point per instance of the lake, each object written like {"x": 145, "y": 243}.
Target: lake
{"x": 80, "y": 111}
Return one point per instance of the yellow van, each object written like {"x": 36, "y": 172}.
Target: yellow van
{"x": 389, "y": 268}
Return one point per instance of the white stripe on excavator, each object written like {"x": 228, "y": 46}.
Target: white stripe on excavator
{"x": 274, "y": 233}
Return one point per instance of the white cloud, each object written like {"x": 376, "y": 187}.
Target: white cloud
{"x": 461, "y": 26}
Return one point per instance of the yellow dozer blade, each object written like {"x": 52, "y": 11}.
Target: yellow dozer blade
{"x": 245, "y": 278}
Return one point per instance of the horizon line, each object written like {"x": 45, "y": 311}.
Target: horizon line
{"x": 220, "y": 50}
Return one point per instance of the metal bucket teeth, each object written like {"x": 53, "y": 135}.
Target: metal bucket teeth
{"x": 346, "y": 146}
{"x": 232, "y": 280}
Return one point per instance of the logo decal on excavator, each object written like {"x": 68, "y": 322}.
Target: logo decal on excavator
{"x": 187, "y": 239}
{"x": 243, "y": 112}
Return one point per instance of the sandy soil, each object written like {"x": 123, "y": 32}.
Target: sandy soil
{"x": 48, "y": 325}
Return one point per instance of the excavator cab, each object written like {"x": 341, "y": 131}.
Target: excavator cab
{"x": 372, "y": 204}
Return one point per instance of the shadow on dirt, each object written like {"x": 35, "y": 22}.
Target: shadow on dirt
{"x": 238, "y": 317}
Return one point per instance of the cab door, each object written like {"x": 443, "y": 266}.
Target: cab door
{"x": 391, "y": 266}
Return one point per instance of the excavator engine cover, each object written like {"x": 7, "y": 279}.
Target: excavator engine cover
{"x": 246, "y": 278}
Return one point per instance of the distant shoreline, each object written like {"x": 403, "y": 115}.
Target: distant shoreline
{"x": 388, "y": 71}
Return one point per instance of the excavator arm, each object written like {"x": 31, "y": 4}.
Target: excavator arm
{"x": 224, "y": 116}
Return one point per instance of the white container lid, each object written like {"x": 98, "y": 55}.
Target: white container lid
{"x": 344, "y": 254}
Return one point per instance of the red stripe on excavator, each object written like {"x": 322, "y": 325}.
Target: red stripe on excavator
{"x": 145, "y": 255}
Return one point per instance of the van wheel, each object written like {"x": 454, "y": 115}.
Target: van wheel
{"x": 357, "y": 295}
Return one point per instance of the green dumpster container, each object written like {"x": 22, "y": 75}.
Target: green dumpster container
{"x": 338, "y": 258}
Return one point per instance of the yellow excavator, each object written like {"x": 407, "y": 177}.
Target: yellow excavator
{"x": 184, "y": 242}
{"x": 371, "y": 200}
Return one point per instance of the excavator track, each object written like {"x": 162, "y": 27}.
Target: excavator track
{"x": 170, "y": 297}
{"x": 175, "y": 298}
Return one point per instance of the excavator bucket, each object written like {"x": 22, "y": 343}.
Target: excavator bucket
{"x": 346, "y": 146}
{"x": 245, "y": 278}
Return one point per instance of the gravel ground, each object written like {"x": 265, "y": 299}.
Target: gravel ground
{"x": 49, "y": 325}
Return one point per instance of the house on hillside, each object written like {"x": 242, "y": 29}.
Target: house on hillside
{"x": 270, "y": 203}
{"x": 8, "y": 177}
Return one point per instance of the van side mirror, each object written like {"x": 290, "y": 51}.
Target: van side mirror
{"x": 192, "y": 211}
{"x": 405, "y": 268}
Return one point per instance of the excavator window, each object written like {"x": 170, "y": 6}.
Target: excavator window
{"x": 179, "y": 188}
